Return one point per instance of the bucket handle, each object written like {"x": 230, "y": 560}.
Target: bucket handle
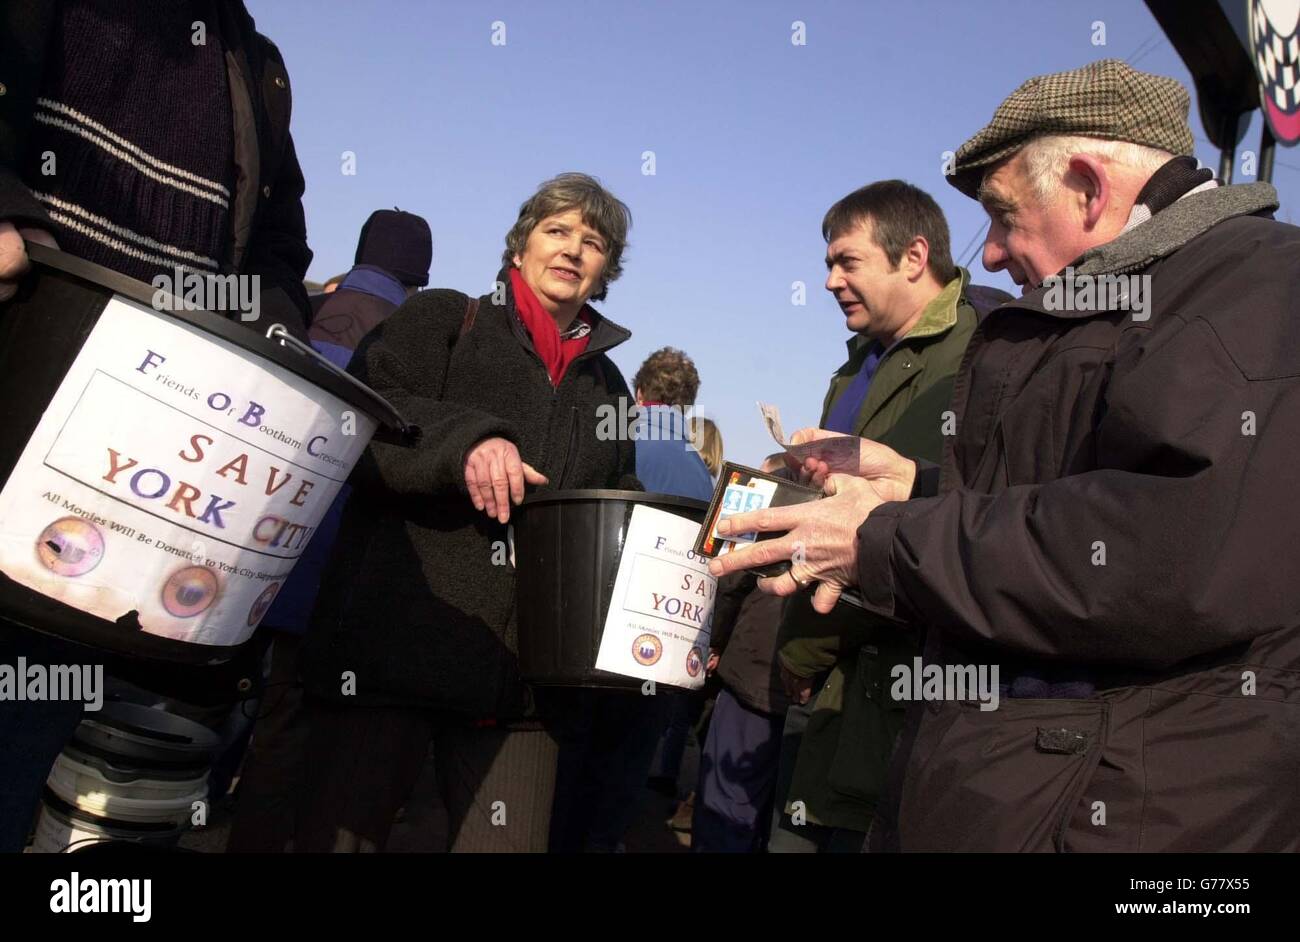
{"x": 281, "y": 333}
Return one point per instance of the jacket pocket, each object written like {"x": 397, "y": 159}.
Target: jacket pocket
{"x": 1005, "y": 779}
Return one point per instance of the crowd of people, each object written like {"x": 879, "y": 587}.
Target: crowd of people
{"x": 975, "y": 451}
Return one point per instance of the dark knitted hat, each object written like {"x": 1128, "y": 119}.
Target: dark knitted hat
{"x": 399, "y": 243}
{"x": 1107, "y": 99}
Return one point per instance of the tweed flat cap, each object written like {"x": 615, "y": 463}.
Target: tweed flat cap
{"x": 1107, "y": 99}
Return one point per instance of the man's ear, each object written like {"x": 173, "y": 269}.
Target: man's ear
{"x": 1094, "y": 187}
{"x": 915, "y": 258}
{"x": 637, "y": 395}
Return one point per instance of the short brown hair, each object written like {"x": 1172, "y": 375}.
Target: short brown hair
{"x": 668, "y": 376}
{"x": 898, "y": 213}
{"x": 601, "y": 210}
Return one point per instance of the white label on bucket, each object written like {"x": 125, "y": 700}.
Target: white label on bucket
{"x": 661, "y": 609}
{"x": 175, "y": 475}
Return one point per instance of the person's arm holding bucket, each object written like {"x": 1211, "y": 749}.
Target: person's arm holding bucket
{"x": 13, "y": 255}
{"x": 22, "y": 218}
{"x": 274, "y": 245}
{"x": 21, "y": 214}
{"x": 278, "y": 253}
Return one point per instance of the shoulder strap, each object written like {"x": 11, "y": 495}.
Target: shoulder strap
{"x": 471, "y": 312}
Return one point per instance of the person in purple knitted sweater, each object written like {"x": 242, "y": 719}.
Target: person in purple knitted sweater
{"x": 146, "y": 136}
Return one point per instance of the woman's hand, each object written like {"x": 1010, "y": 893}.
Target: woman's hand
{"x": 495, "y": 476}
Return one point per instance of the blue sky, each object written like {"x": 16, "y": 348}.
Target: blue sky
{"x": 753, "y": 139}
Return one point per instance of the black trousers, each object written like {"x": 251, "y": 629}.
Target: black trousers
{"x": 275, "y": 766}
{"x": 496, "y": 782}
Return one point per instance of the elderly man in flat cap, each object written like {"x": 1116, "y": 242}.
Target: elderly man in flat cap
{"x": 1109, "y": 547}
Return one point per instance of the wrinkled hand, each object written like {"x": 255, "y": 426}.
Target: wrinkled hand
{"x": 495, "y": 476}
{"x": 798, "y": 689}
{"x": 714, "y": 657}
{"x": 821, "y": 542}
{"x": 13, "y": 255}
{"x": 825, "y": 453}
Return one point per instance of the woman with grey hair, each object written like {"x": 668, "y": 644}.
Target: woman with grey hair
{"x": 413, "y": 639}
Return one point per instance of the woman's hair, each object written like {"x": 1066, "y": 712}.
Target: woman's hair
{"x": 669, "y": 376}
{"x": 601, "y": 210}
{"x": 708, "y": 442}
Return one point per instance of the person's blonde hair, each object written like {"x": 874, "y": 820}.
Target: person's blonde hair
{"x": 1047, "y": 156}
{"x": 707, "y": 440}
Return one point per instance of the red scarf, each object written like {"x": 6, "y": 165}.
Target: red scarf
{"x": 557, "y": 354}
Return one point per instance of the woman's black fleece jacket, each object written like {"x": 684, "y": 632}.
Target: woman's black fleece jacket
{"x": 411, "y": 602}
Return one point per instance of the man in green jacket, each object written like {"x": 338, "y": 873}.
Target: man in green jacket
{"x": 912, "y": 312}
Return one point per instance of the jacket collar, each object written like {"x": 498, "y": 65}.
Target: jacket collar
{"x": 1173, "y": 227}
{"x": 905, "y": 360}
{"x": 605, "y": 334}
{"x": 1160, "y": 236}
{"x": 938, "y": 317}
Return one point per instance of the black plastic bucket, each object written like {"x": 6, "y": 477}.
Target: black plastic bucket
{"x": 568, "y": 545}
{"x": 53, "y": 578}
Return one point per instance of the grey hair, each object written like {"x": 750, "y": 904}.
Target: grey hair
{"x": 1047, "y": 156}
{"x": 601, "y": 210}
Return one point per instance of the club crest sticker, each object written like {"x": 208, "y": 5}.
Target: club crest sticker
{"x": 70, "y": 546}
{"x": 263, "y": 603}
{"x": 190, "y": 591}
{"x": 694, "y": 662}
{"x": 647, "y": 649}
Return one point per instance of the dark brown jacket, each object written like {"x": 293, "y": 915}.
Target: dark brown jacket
{"x": 745, "y": 623}
{"x": 1170, "y": 446}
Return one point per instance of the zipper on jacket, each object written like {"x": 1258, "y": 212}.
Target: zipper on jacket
{"x": 573, "y": 447}
{"x": 521, "y": 334}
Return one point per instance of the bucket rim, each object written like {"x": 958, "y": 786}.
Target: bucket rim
{"x": 145, "y": 725}
{"x": 80, "y": 765}
{"x": 374, "y": 405}
{"x": 637, "y": 497}
{"x": 120, "y": 808}
{"x": 52, "y": 802}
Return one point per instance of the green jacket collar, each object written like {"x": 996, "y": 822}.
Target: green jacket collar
{"x": 939, "y": 317}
